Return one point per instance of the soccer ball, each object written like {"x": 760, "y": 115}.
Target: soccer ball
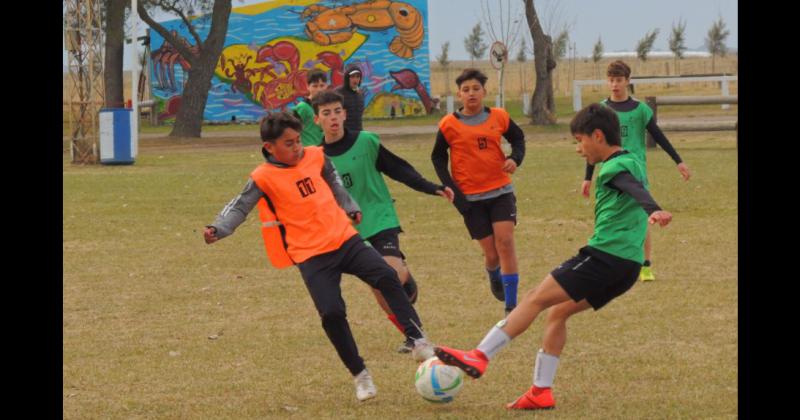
{"x": 438, "y": 382}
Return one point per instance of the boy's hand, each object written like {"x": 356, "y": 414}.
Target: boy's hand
{"x": 447, "y": 193}
{"x": 684, "y": 170}
{"x": 355, "y": 216}
{"x": 510, "y": 166}
{"x": 210, "y": 235}
{"x": 661, "y": 217}
{"x": 585, "y": 188}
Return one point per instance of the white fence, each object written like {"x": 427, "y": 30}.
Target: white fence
{"x": 578, "y": 84}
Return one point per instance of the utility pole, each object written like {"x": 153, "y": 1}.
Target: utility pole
{"x": 85, "y": 89}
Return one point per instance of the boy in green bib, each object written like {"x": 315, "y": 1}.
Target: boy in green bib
{"x": 636, "y": 119}
{"x": 605, "y": 268}
{"x": 311, "y": 134}
{"x": 360, "y": 159}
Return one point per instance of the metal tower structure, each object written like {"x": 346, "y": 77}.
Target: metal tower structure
{"x": 83, "y": 35}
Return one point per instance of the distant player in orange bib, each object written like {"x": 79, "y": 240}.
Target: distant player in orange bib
{"x": 304, "y": 200}
{"x": 481, "y": 181}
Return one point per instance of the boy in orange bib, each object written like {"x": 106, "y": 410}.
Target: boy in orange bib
{"x": 481, "y": 178}
{"x": 313, "y": 211}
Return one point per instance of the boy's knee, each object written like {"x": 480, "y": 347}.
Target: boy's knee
{"x": 385, "y": 277}
{"x": 504, "y": 244}
{"x": 534, "y": 299}
{"x": 332, "y": 314}
{"x": 557, "y": 315}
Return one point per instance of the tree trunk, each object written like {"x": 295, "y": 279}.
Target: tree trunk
{"x": 189, "y": 119}
{"x": 542, "y": 104}
{"x": 115, "y": 39}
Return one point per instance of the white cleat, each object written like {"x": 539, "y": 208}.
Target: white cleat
{"x": 365, "y": 388}
{"x": 423, "y": 350}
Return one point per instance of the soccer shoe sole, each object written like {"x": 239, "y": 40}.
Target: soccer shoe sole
{"x": 510, "y": 407}
{"x": 449, "y": 359}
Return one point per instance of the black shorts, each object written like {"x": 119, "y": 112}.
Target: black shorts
{"x": 481, "y": 214}
{"x": 596, "y": 276}
{"x": 387, "y": 242}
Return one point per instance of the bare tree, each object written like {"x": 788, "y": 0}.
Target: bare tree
{"x": 543, "y": 110}
{"x": 444, "y": 61}
{"x": 715, "y": 41}
{"x": 201, "y": 55}
{"x": 474, "y": 44}
{"x": 504, "y": 26}
{"x": 677, "y": 42}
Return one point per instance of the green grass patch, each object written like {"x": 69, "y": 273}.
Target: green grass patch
{"x": 142, "y": 294}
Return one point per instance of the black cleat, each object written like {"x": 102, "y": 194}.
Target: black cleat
{"x": 497, "y": 289}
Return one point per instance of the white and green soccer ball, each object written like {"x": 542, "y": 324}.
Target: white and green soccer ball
{"x": 438, "y": 382}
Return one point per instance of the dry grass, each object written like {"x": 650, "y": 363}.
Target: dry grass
{"x": 142, "y": 294}
{"x": 518, "y": 77}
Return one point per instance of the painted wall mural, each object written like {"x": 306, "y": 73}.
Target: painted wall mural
{"x": 271, "y": 46}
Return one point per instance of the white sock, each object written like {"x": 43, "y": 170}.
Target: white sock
{"x": 494, "y": 341}
{"x": 544, "y": 371}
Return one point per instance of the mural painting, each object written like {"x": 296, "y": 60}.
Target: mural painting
{"x": 271, "y": 46}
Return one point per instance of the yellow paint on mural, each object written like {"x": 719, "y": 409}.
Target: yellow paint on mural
{"x": 308, "y": 50}
{"x": 381, "y": 106}
{"x": 256, "y": 9}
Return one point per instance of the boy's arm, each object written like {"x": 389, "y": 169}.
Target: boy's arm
{"x": 440, "y": 157}
{"x": 401, "y": 171}
{"x": 235, "y": 213}
{"x": 587, "y": 180}
{"x": 339, "y": 192}
{"x": 626, "y": 183}
{"x": 662, "y": 141}
{"x": 516, "y": 138}
{"x": 589, "y": 172}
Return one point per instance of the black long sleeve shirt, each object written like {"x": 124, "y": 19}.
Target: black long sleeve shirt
{"x": 652, "y": 128}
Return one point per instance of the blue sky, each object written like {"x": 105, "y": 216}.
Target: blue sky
{"x": 620, "y": 23}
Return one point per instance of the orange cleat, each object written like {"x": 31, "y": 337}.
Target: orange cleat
{"x": 473, "y": 362}
{"x": 534, "y": 399}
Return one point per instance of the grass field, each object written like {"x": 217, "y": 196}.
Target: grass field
{"x": 156, "y": 324}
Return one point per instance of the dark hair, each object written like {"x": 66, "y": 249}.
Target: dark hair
{"x": 325, "y": 98}
{"x": 468, "y": 74}
{"x": 618, "y": 68}
{"x": 596, "y": 116}
{"x": 316, "y": 75}
{"x": 275, "y": 123}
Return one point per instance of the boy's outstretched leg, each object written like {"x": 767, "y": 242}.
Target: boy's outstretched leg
{"x": 540, "y": 395}
{"x": 323, "y": 281}
{"x": 365, "y": 263}
{"x": 475, "y": 362}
